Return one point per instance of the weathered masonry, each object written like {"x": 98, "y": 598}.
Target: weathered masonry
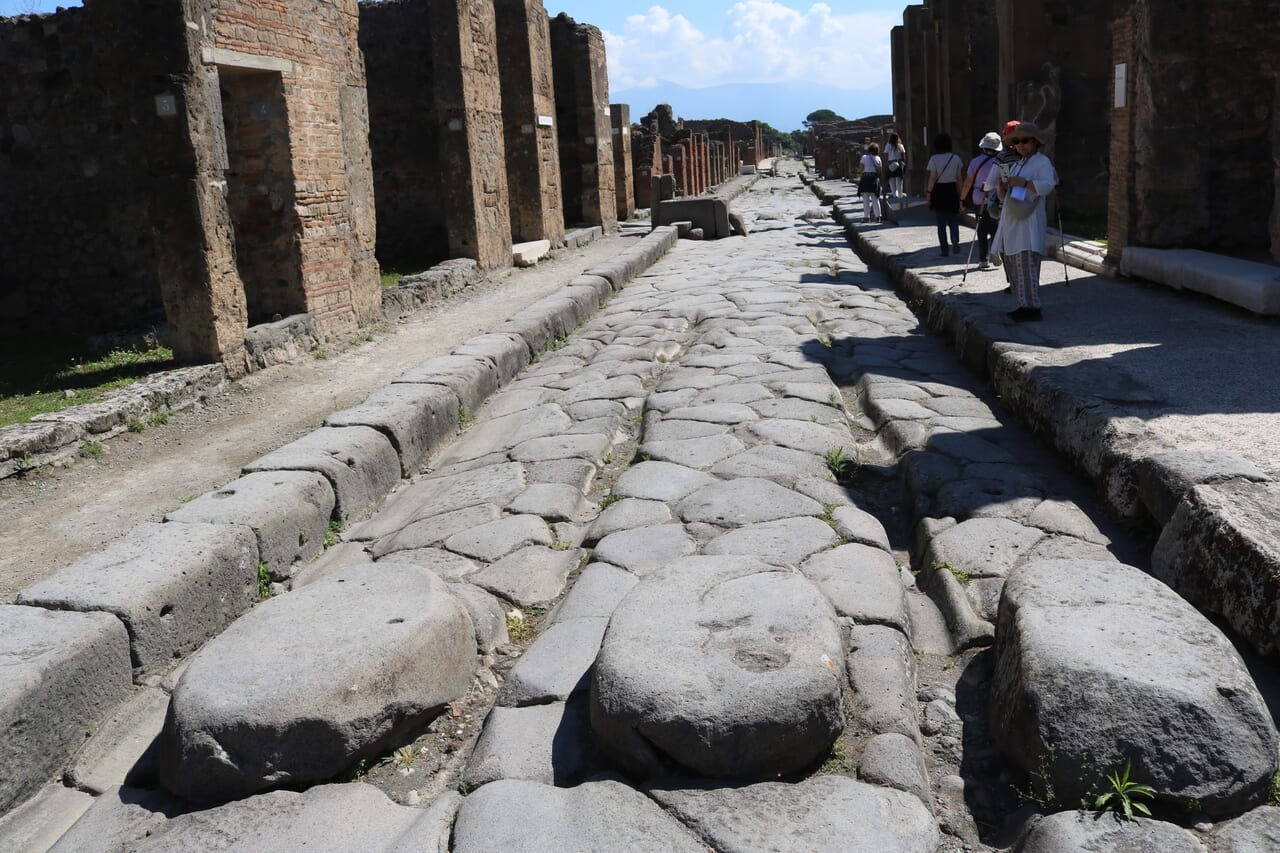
{"x": 583, "y": 118}
{"x": 204, "y": 163}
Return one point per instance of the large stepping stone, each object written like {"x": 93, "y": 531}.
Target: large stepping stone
{"x": 528, "y": 576}
{"x": 981, "y": 547}
{"x": 821, "y": 813}
{"x": 288, "y": 512}
{"x": 724, "y": 667}
{"x": 1068, "y": 832}
{"x": 786, "y": 542}
{"x": 603, "y": 816}
{"x": 172, "y": 585}
{"x": 660, "y": 481}
{"x": 63, "y": 673}
{"x": 745, "y": 500}
{"x": 1098, "y": 664}
{"x": 303, "y": 685}
{"x": 862, "y": 583}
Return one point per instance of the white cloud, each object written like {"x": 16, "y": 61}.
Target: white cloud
{"x": 763, "y": 41}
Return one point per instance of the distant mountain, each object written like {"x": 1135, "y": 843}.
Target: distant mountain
{"x": 783, "y": 105}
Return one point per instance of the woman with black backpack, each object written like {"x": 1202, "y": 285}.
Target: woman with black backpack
{"x": 973, "y": 194}
{"x": 943, "y": 192}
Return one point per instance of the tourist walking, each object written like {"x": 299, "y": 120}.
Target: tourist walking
{"x": 943, "y": 191}
{"x": 1023, "y": 193}
{"x": 896, "y": 155}
{"x": 869, "y": 183}
{"x": 1004, "y": 160}
{"x": 973, "y": 194}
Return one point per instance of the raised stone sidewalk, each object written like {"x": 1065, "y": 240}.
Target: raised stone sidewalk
{"x": 729, "y": 487}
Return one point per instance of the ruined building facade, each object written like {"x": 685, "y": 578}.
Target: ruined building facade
{"x": 205, "y": 163}
{"x": 584, "y": 126}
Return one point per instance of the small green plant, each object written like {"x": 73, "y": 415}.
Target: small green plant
{"x": 608, "y": 458}
{"x": 561, "y": 545}
{"x": 959, "y": 574}
{"x": 91, "y": 450}
{"x": 1275, "y": 789}
{"x": 464, "y": 418}
{"x": 609, "y": 500}
{"x": 464, "y": 788}
{"x": 159, "y": 418}
{"x": 1122, "y": 798}
{"x": 1041, "y": 792}
{"x": 321, "y": 354}
{"x": 828, "y": 514}
{"x": 841, "y": 465}
{"x": 837, "y": 760}
{"x": 136, "y": 425}
{"x": 357, "y": 771}
{"x": 519, "y": 628}
{"x": 404, "y": 757}
{"x": 26, "y": 464}
{"x": 264, "y": 582}
{"x": 331, "y": 534}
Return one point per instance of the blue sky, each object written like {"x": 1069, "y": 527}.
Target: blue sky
{"x": 839, "y": 49}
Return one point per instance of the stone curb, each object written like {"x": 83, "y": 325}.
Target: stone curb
{"x": 1115, "y": 450}
{"x": 352, "y": 494}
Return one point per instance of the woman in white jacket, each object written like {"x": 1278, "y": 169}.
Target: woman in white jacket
{"x": 869, "y": 183}
{"x": 1023, "y": 220}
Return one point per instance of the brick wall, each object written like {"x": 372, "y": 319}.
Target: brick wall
{"x": 623, "y": 183}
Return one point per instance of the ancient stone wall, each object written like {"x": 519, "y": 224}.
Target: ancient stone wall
{"x": 528, "y": 107}
{"x": 1202, "y": 148}
{"x": 917, "y": 126}
{"x": 646, "y": 152}
{"x": 582, "y": 112}
{"x": 623, "y": 184}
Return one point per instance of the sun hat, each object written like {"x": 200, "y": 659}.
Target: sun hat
{"x": 1026, "y": 128}
{"x": 1010, "y": 127}
{"x": 990, "y": 142}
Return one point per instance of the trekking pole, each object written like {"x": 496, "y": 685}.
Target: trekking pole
{"x": 1062, "y": 245}
{"x": 969, "y": 258}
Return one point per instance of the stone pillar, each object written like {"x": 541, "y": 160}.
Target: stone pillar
{"x": 1275, "y": 168}
{"x": 1120, "y": 184}
{"x": 917, "y": 135}
{"x": 528, "y": 111}
{"x": 582, "y": 109}
{"x": 680, "y": 169}
{"x": 647, "y": 153}
{"x": 624, "y": 192}
{"x": 472, "y": 155}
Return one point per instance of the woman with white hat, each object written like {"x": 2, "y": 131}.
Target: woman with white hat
{"x": 1023, "y": 220}
{"x": 974, "y": 195}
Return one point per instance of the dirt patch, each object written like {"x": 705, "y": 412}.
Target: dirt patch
{"x": 55, "y": 516}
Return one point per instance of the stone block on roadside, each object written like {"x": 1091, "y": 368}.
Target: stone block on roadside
{"x": 359, "y": 463}
{"x": 76, "y": 663}
{"x": 488, "y": 616}
{"x": 724, "y": 667}
{"x": 882, "y": 672}
{"x": 528, "y": 254}
{"x": 1099, "y": 665}
{"x": 288, "y": 512}
{"x": 509, "y": 353}
{"x": 172, "y": 585}
{"x": 417, "y": 419}
{"x": 862, "y": 583}
{"x": 1221, "y": 552}
{"x": 472, "y": 379}
{"x": 1067, "y": 832}
{"x": 305, "y": 684}
{"x": 122, "y": 749}
{"x": 556, "y": 666}
{"x": 38, "y": 823}
{"x": 528, "y": 576}
{"x": 603, "y": 816}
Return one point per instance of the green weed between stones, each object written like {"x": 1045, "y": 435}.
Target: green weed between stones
{"x": 837, "y": 760}
{"x": 828, "y": 515}
{"x": 321, "y": 354}
{"x": 464, "y": 418}
{"x": 519, "y": 628}
{"x": 1275, "y": 789}
{"x": 159, "y": 418}
{"x": 264, "y": 582}
{"x": 609, "y": 500}
{"x": 959, "y": 574}
{"x": 26, "y": 464}
{"x": 1123, "y": 796}
{"x": 841, "y": 464}
{"x": 331, "y": 534}
{"x": 136, "y": 425}
{"x": 560, "y": 545}
{"x": 91, "y": 450}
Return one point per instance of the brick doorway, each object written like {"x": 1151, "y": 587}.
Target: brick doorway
{"x": 261, "y": 194}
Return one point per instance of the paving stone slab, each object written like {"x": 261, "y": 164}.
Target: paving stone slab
{"x": 568, "y": 446}
{"x": 1066, "y": 518}
{"x": 745, "y": 500}
{"x": 793, "y": 409}
{"x": 515, "y": 400}
{"x": 1255, "y": 832}
{"x": 509, "y": 353}
{"x": 550, "y": 744}
{"x": 488, "y": 616}
{"x": 117, "y": 817}
{"x": 1221, "y": 552}
{"x": 1069, "y": 832}
{"x": 862, "y": 583}
{"x": 496, "y": 539}
{"x": 172, "y": 585}
{"x": 821, "y": 813}
{"x": 448, "y": 565}
{"x": 473, "y": 380}
{"x": 881, "y": 669}
{"x": 738, "y": 392}
{"x": 716, "y": 413}
{"x": 579, "y": 473}
{"x": 895, "y": 760}
{"x": 431, "y": 831}
{"x": 974, "y": 498}
{"x": 340, "y": 669}
{"x": 643, "y": 549}
{"x": 694, "y": 452}
{"x": 416, "y": 419}
{"x": 499, "y": 435}
{"x": 857, "y": 525}
{"x": 672, "y": 429}
{"x": 121, "y": 750}
{"x": 37, "y": 824}
{"x": 288, "y": 512}
{"x": 1099, "y": 658}
{"x": 596, "y": 593}
{"x": 724, "y": 667}
{"x": 617, "y": 388}
{"x": 556, "y": 666}
{"x": 981, "y": 547}
{"x": 553, "y": 502}
{"x": 786, "y": 542}
{"x": 802, "y": 435}
{"x": 669, "y": 401}
{"x": 603, "y": 816}
{"x": 426, "y": 532}
{"x": 529, "y": 576}
{"x": 628, "y": 514}
{"x": 1163, "y": 478}
{"x": 75, "y": 662}
{"x": 779, "y": 464}
{"x": 359, "y": 462}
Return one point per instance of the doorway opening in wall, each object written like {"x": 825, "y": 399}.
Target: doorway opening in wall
{"x": 260, "y": 193}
